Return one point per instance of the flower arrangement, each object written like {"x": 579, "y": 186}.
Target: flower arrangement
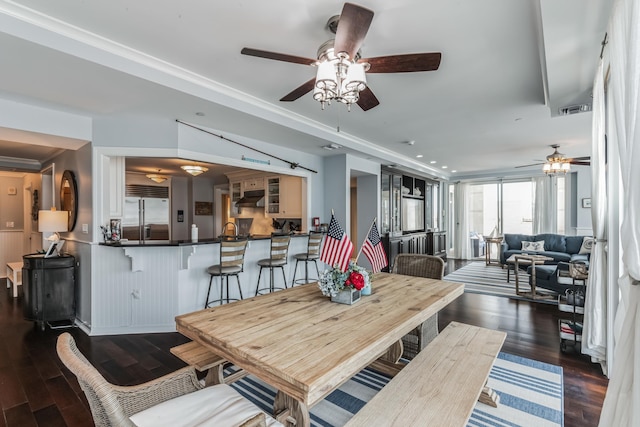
{"x": 334, "y": 280}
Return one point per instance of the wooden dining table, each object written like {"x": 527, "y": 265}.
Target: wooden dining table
{"x": 306, "y": 346}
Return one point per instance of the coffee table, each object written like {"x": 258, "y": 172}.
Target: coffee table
{"x": 532, "y": 260}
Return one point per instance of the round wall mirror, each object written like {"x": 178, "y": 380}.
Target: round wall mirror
{"x": 69, "y": 197}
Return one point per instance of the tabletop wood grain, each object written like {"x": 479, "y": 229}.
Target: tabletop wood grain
{"x": 306, "y": 346}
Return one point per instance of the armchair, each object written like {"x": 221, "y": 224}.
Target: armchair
{"x": 176, "y": 399}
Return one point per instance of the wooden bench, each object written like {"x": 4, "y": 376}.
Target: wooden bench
{"x": 198, "y": 356}
{"x": 441, "y": 385}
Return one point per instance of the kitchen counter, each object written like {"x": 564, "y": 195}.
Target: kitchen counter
{"x": 143, "y": 286}
{"x": 158, "y": 243}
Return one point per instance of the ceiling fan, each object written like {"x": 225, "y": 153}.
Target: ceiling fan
{"x": 341, "y": 70}
{"x": 558, "y": 162}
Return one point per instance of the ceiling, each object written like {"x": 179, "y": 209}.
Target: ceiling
{"x": 507, "y": 68}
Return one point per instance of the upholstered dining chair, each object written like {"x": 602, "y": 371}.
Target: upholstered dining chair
{"x": 176, "y": 399}
{"x": 422, "y": 266}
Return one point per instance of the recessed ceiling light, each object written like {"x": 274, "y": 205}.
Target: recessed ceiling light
{"x": 454, "y": 171}
{"x": 332, "y": 146}
{"x": 411, "y": 142}
{"x": 433, "y": 162}
{"x": 200, "y": 113}
{"x": 444, "y": 167}
{"x": 419, "y": 156}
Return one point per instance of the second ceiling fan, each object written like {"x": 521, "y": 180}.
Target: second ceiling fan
{"x": 556, "y": 160}
{"x": 341, "y": 70}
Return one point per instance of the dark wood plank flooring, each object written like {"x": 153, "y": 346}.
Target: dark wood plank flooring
{"x": 36, "y": 390}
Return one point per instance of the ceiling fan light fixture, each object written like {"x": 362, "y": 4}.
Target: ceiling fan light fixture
{"x": 338, "y": 78}
{"x": 194, "y": 169}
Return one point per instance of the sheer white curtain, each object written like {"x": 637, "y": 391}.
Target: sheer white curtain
{"x": 544, "y": 205}
{"x": 462, "y": 245}
{"x": 622, "y": 402}
{"x": 594, "y": 334}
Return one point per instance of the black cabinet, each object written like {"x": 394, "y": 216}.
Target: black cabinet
{"x": 49, "y": 288}
{"x": 437, "y": 243}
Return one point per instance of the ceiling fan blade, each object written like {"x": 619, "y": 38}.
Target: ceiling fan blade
{"x": 352, "y": 28}
{"x": 277, "y": 56}
{"x": 408, "y": 63}
{"x": 367, "y": 100}
{"x": 299, "y": 91}
{"x": 581, "y": 158}
{"x": 532, "y": 164}
{"x": 574, "y": 162}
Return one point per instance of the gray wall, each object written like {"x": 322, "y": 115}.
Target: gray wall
{"x": 12, "y": 204}
{"x": 78, "y": 162}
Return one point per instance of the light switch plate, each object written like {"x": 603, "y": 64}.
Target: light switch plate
{"x": 85, "y": 228}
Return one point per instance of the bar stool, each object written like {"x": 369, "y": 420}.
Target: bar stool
{"x": 231, "y": 264}
{"x": 278, "y": 258}
{"x": 312, "y": 255}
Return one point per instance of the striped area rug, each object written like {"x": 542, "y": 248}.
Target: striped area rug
{"x": 485, "y": 279}
{"x": 531, "y": 394}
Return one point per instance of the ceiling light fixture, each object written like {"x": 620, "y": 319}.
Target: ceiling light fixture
{"x": 556, "y": 163}
{"x": 419, "y": 156}
{"x": 194, "y": 169}
{"x": 156, "y": 177}
{"x": 339, "y": 77}
{"x": 332, "y": 146}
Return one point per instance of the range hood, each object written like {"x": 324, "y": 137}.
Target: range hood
{"x": 251, "y": 199}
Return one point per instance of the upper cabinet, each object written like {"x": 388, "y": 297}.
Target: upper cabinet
{"x": 413, "y": 187}
{"x": 253, "y": 184}
{"x": 235, "y": 187}
{"x": 283, "y": 196}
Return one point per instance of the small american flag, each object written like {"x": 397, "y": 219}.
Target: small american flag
{"x": 373, "y": 249}
{"x": 337, "y": 247}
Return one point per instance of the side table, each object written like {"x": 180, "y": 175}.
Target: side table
{"x": 487, "y": 253}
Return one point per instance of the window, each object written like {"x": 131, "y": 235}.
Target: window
{"x": 517, "y": 207}
{"x": 509, "y": 206}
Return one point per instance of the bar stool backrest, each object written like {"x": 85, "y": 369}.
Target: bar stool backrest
{"x": 280, "y": 247}
{"x": 232, "y": 253}
{"x": 313, "y": 246}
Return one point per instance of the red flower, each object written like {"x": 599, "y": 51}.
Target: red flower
{"x": 356, "y": 280}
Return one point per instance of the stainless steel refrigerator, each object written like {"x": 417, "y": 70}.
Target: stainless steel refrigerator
{"x": 146, "y": 213}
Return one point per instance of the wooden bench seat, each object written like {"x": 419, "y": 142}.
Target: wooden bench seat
{"x": 441, "y": 385}
{"x": 198, "y": 356}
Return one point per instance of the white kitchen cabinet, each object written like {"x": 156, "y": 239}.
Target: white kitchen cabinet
{"x": 253, "y": 184}
{"x": 284, "y": 197}
{"x": 236, "y": 194}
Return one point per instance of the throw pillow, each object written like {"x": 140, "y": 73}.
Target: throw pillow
{"x": 533, "y": 246}
{"x": 587, "y": 245}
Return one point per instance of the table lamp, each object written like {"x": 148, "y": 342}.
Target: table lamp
{"x": 53, "y": 221}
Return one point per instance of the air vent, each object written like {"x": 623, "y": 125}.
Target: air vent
{"x": 154, "y": 191}
{"x": 574, "y": 109}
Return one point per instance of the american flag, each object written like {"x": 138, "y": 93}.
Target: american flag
{"x": 373, "y": 249}
{"x": 337, "y": 247}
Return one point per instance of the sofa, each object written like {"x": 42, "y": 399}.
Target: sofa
{"x": 563, "y": 249}
{"x": 557, "y": 246}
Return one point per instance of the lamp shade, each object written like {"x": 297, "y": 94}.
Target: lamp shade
{"x": 53, "y": 221}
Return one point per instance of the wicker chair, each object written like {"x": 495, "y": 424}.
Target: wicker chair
{"x": 422, "y": 266}
{"x": 176, "y": 399}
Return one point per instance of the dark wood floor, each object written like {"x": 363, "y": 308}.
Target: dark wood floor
{"x": 36, "y": 390}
